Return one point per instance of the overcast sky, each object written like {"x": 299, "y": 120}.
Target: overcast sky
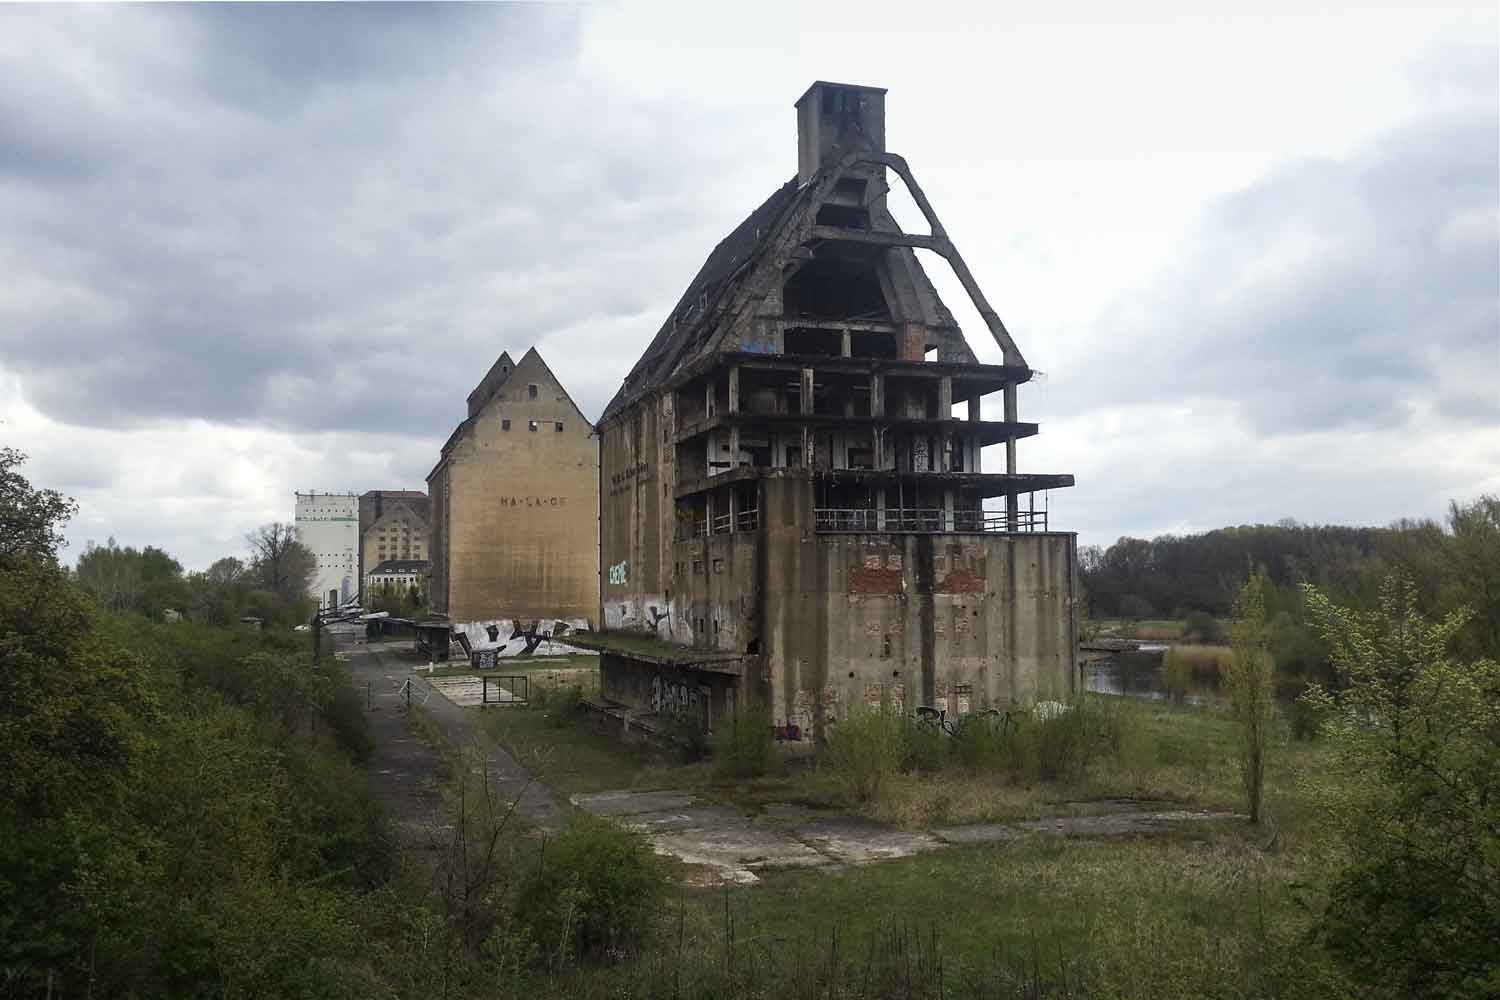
{"x": 246, "y": 251}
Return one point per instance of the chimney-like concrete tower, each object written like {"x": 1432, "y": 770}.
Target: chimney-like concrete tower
{"x": 834, "y": 118}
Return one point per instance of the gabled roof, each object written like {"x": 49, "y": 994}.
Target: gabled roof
{"x": 745, "y": 243}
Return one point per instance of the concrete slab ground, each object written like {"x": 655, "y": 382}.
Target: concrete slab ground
{"x": 732, "y": 847}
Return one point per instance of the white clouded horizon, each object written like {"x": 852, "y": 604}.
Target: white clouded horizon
{"x": 255, "y": 250}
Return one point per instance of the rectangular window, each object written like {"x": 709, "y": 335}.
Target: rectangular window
{"x": 505, "y": 424}
{"x": 531, "y": 425}
{"x": 558, "y": 426}
{"x": 531, "y": 391}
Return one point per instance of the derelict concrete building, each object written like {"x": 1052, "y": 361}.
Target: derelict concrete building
{"x": 794, "y": 504}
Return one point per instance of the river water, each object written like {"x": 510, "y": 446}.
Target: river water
{"x": 1138, "y": 674}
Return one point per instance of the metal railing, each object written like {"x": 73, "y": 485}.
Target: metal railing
{"x": 722, "y": 523}
{"x": 747, "y": 520}
{"x": 504, "y": 689}
{"x": 929, "y": 520}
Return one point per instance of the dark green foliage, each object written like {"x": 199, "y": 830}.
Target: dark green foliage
{"x": 744, "y": 744}
{"x": 684, "y": 729}
{"x": 561, "y": 703}
{"x": 1203, "y": 626}
{"x": 593, "y": 893}
{"x": 181, "y": 814}
{"x": 926, "y": 746}
{"x": 1415, "y": 911}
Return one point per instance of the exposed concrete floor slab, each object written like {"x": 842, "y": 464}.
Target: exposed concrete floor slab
{"x": 982, "y": 833}
{"x": 627, "y": 802}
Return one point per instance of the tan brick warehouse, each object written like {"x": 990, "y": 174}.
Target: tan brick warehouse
{"x": 515, "y": 502}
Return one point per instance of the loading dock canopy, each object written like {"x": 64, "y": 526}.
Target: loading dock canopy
{"x": 649, "y": 649}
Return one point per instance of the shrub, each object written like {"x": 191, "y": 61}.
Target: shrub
{"x": 1250, "y": 677}
{"x": 592, "y": 894}
{"x": 1177, "y": 674}
{"x": 684, "y": 729}
{"x": 1203, "y": 626}
{"x": 743, "y": 744}
{"x": 865, "y": 748}
{"x": 983, "y": 741}
{"x": 926, "y": 746}
{"x": 561, "y": 704}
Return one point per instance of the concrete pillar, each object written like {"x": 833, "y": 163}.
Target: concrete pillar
{"x": 877, "y": 395}
{"x": 734, "y": 446}
{"x": 734, "y": 389}
{"x": 974, "y": 412}
{"x": 947, "y": 510}
{"x": 733, "y": 510}
{"x": 708, "y": 511}
{"x": 946, "y": 461}
{"x": 807, "y": 391}
{"x": 880, "y": 508}
{"x": 945, "y": 398}
{"x": 1012, "y": 503}
{"x": 709, "y": 401}
{"x": 848, "y": 345}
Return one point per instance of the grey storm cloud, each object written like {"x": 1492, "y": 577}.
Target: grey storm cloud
{"x": 1360, "y": 292}
{"x": 276, "y": 215}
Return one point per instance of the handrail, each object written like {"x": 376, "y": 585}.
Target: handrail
{"x": 925, "y": 520}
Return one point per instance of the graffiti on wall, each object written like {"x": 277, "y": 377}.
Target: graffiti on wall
{"x": 619, "y": 573}
{"x": 668, "y": 696}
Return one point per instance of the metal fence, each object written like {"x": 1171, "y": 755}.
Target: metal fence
{"x": 504, "y": 689}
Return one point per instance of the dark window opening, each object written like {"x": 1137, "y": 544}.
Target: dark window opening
{"x": 793, "y": 456}
{"x": 824, "y": 343}
{"x": 531, "y": 391}
{"x": 885, "y": 647}
{"x": 873, "y": 345}
{"x": 760, "y": 457}
{"x": 531, "y": 425}
{"x": 835, "y": 289}
{"x": 844, "y": 216}
{"x": 861, "y": 458}
{"x": 558, "y": 426}
{"x": 505, "y": 424}
{"x": 849, "y": 191}
{"x": 753, "y": 647}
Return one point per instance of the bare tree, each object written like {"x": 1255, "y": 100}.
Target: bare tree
{"x": 279, "y": 562}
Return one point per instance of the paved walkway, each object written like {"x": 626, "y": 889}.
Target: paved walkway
{"x": 407, "y": 765}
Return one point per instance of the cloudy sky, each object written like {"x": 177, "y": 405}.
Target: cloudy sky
{"x": 245, "y": 251}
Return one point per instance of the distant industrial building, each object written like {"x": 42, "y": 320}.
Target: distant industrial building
{"x": 515, "y": 503}
{"x": 328, "y": 524}
{"x": 392, "y": 525}
{"x": 796, "y": 508}
{"x": 397, "y": 577}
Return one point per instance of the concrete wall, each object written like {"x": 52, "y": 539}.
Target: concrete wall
{"x": 637, "y": 476}
{"x": 960, "y": 622}
{"x": 515, "y": 524}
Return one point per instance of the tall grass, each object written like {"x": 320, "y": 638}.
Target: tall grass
{"x": 743, "y": 743}
{"x": 867, "y": 747}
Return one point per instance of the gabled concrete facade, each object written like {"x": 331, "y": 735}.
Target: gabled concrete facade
{"x": 795, "y": 507}
{"x": 515, "y": 503}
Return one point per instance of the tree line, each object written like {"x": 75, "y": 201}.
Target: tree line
{"x": 272, "y": 583}
{"x": 1451, "y": 563}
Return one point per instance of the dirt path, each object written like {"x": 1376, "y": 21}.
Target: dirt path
{"x": 407, "y": 766}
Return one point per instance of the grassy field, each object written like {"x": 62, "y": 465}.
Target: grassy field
{"x": 1205, "y": 910}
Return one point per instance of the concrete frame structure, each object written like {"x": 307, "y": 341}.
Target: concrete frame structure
{"x": 792, "y": 510}
{"x": 515, "y": 503}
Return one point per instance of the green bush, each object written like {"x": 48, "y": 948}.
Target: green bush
{"x": 1177, "y": 674}
{"x": 593, "y": 893}
{"x": 926, "y": 746}
{"x": 684, "y": 729}
{"x": 744, "y": 746}
{"x": 1203, "y": 626}
{"x": 983, "y": 741}
{"x": 865, "y": 748}
{"x": 561, "y": 704}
